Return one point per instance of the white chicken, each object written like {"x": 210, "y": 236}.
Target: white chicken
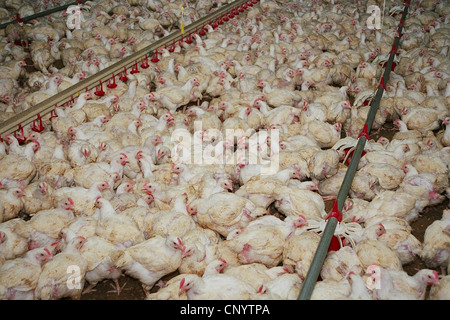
{"x": 12, "y": 243}
{"x": 217, "y": 214}
{"x": 263, "y": 240}
{"x": 150, "y": 260}
{"x": 435, "y": 252}
{"x": 216, "y": 287}
{"x": 19, "y": 277}
{"x": 119, "y": 229}
{"x": 64, "y": 275}
{"x": 398, "y": 285}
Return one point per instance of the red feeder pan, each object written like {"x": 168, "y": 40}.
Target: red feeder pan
{"x": 52, "y": 114}
{"x": 155, "y": 57}
{"x": 144, "y": 63}
{"x": 171, "y": 47}
{"x": 123, "y": 75}
{"x": 100, "y": 92}
{"x": 112, "y": 82}
{"x": 37, "y": 127}
{"x": 134, "y": 69}
{"x": 188, "y": 39}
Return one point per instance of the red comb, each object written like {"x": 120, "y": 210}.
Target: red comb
{"x": 182, "y": 282}
{"x": 70, "y": 200}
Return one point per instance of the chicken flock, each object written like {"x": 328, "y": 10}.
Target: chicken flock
{"x": 99, "y": 190}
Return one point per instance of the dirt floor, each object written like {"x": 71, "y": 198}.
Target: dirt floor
{"x": 132, "y": 289}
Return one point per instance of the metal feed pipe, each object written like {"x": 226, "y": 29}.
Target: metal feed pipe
{"x": 224, "y": 13}
{"x": 41, "y": 14}
{"x": 335, "y": 216}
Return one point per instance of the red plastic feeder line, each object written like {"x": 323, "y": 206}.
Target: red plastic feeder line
{"x": 241, "y": 9}
{"x": 112, "y": 82}
{"x": 202, "y": 31}
{"x": 99, "y": 92}
{"x": 214, "y": 25}
{"x": 144, "y": 63}
{"x": 225, "y": 18}
{"x": 37, "y": 127}
{"x": 220, "y": 21}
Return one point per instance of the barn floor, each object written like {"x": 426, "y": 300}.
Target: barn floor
{"x": 132, "y": 289}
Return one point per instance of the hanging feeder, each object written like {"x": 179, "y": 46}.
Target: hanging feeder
{"x": 37, "y": 126}
{"x": 112, "y": 82}
{"x": 171, "y": 47}
{"x": 99, "y": 92}
{"x": 134, "y": 68}
{"x": 155, "y": 57}
{"x": 144, "y": 63}
{"x": 123, "y": 75}
{"x": 188, "y": 39}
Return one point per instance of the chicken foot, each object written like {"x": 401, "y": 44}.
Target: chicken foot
{"x": 116, "y": 286}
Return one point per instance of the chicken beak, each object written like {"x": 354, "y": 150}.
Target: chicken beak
{"x": 22, "y": 192}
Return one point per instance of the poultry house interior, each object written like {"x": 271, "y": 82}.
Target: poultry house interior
{"x": 207, "y": 169}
